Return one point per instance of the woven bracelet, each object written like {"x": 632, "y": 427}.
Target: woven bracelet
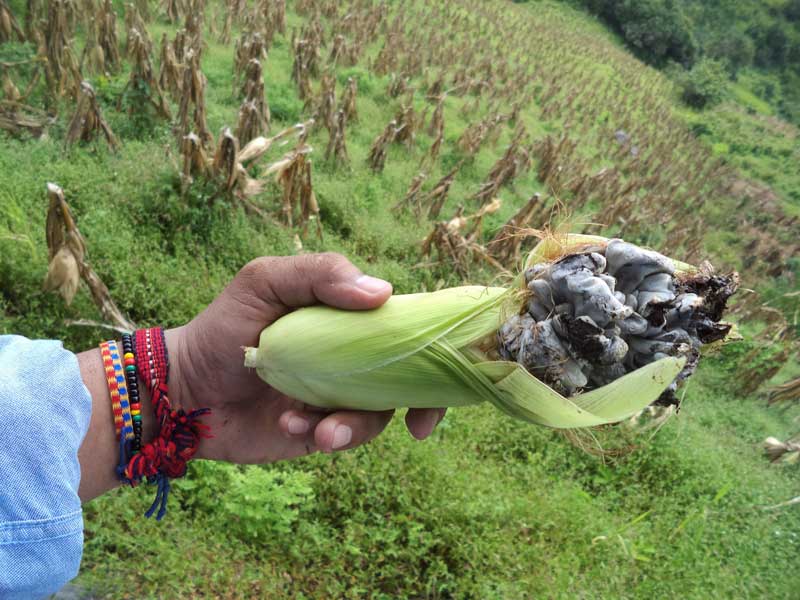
{"x": 114, "y": 378}
{"x": 176, "y": 433}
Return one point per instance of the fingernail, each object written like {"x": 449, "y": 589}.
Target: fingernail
{"x": 297, "y": 425}
{"x": 372, "y": 285}
{"x": 433, "y": 421}
{"x": 342, "y": 436}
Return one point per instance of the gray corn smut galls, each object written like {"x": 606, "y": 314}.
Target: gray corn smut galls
{"x": 592, "y": 317}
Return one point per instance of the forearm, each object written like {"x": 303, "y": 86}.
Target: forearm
{"x": 99, "y": 453}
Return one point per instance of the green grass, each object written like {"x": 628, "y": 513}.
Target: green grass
{"x": 490, "y": 508}
{"x": 745, "y": 97}
{"x": 487, "y": 508}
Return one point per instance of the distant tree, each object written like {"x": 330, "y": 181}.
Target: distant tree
{"x": 772, "y": 45}
{"x": 658, "y": 30}
{"x": 733, "y": 48}
{"x": 791, "y": 10}
{"x": 705, "y": 84}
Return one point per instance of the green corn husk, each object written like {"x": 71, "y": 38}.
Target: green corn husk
{"x": 427, "y": 350}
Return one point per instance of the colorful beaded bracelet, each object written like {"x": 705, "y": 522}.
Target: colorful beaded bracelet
{"x": 129, "y": 358}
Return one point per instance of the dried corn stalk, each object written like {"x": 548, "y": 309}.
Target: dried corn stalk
{"x": 71, "y": 77}
{"x": 413, "y": 195}
{"x": 436, "y": 128}
{"x": 785, "y": 393}
{"x": 225, "y": 165}
{"x": 11, "y": 92}
{"x": 515, "y": 161}
{"x": 308, "y": 201}
{"x": 143, "y": 83}
{"x": 278, "y": 15}
{"x": 348, "y": 102}
{"x": 88, "y": 121}
{"x": 250, "y": 46}
{"x": 193, "y": 25}
{"x": 476, "y": 227}
{"x": 293, "y": 174}
{"x": 337, "y": 50}
{"x": 20, "y": 119}
{"x": 305, "y": 47}
{"x": 377, "y": 152}
{"x": 61, "y": 69}
{"x": 251, "y": 123}
{"x": 212, "y": 22}
{"x": 171, "y": 9}
{"x": 474, "y": 135}
{"x": 259, "y": 19}
{"x": 434, "y": 93}
{"x": 326, "y": 107}
{"x": 254, "y": 116}
{"x": 398, "y": 85}
{"x": 552, "y": 160}
{"x": 786, "y": 452}
{"x": 227, "y": 24}
{"x": 227, "y": 168}
{"x": 336, "y": 142}
{"x": 193, "y": 94}
{"x": 406, "y": 119}
{"x": 143, "y": 7}
{"x": 506, "y": 244}
{"x": 453, "y": 249}
{"x": 93, "y": 57}
{"x": 9, "y": 28}
{"x": 435, "y": 199}
{"x": 68, "y": 261}
{"x": 134, "y": 22}
{"x": 181, "y": 45}
{"x": 256, "y": 148}
{"x": 437, "y": 119}
{"x": 195, "y": 160}
{"x": 170, "y": 75}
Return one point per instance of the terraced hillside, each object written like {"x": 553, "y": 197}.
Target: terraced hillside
{"x": 434, "y": 124}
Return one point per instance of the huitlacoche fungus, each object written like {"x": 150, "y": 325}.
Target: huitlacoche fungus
{"x": 593, "y": 316}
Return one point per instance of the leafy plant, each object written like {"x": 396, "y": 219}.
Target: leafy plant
{"x": 256, "y": 504}
{"x": 704, "y": 85}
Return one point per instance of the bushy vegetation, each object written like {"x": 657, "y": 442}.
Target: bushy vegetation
{"x": 704, "y": 84}
{"x": 658, "y": 30}
{"x": 740, "y": 35}
{"x": 489, "y": 507}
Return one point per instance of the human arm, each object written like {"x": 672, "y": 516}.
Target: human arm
{"x": 250, "y": 422}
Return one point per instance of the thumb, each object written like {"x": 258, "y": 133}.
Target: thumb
{"x": 285, "y": 283}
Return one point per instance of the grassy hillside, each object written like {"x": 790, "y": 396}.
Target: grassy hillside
{"x": 755, "y": 44}
{"x": 488, "y": 508}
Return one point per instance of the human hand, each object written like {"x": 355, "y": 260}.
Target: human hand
{"x": 251, "y": 421}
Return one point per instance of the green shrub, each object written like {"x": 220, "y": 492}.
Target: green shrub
{"x": 256, "y": 504}
{"x": 705, "y": 84}
{"x": 142, "y": 118}
{"x": 733, "y": 48}
{"x": 657, "y": 30}
{"x": 284, "y": 105}
{"x": 365, "y": 80}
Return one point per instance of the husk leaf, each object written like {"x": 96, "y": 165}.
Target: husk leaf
{"x": 419, "y": 350}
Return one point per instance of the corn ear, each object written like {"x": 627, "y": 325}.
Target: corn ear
{"x": 424, "y": 351}
{"x": 553, "y": 247}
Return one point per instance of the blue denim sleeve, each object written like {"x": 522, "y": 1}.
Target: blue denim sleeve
{"x": 44, "y": 416}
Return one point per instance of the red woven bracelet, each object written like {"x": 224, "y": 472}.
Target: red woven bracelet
{"x": 177, "y": 434}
